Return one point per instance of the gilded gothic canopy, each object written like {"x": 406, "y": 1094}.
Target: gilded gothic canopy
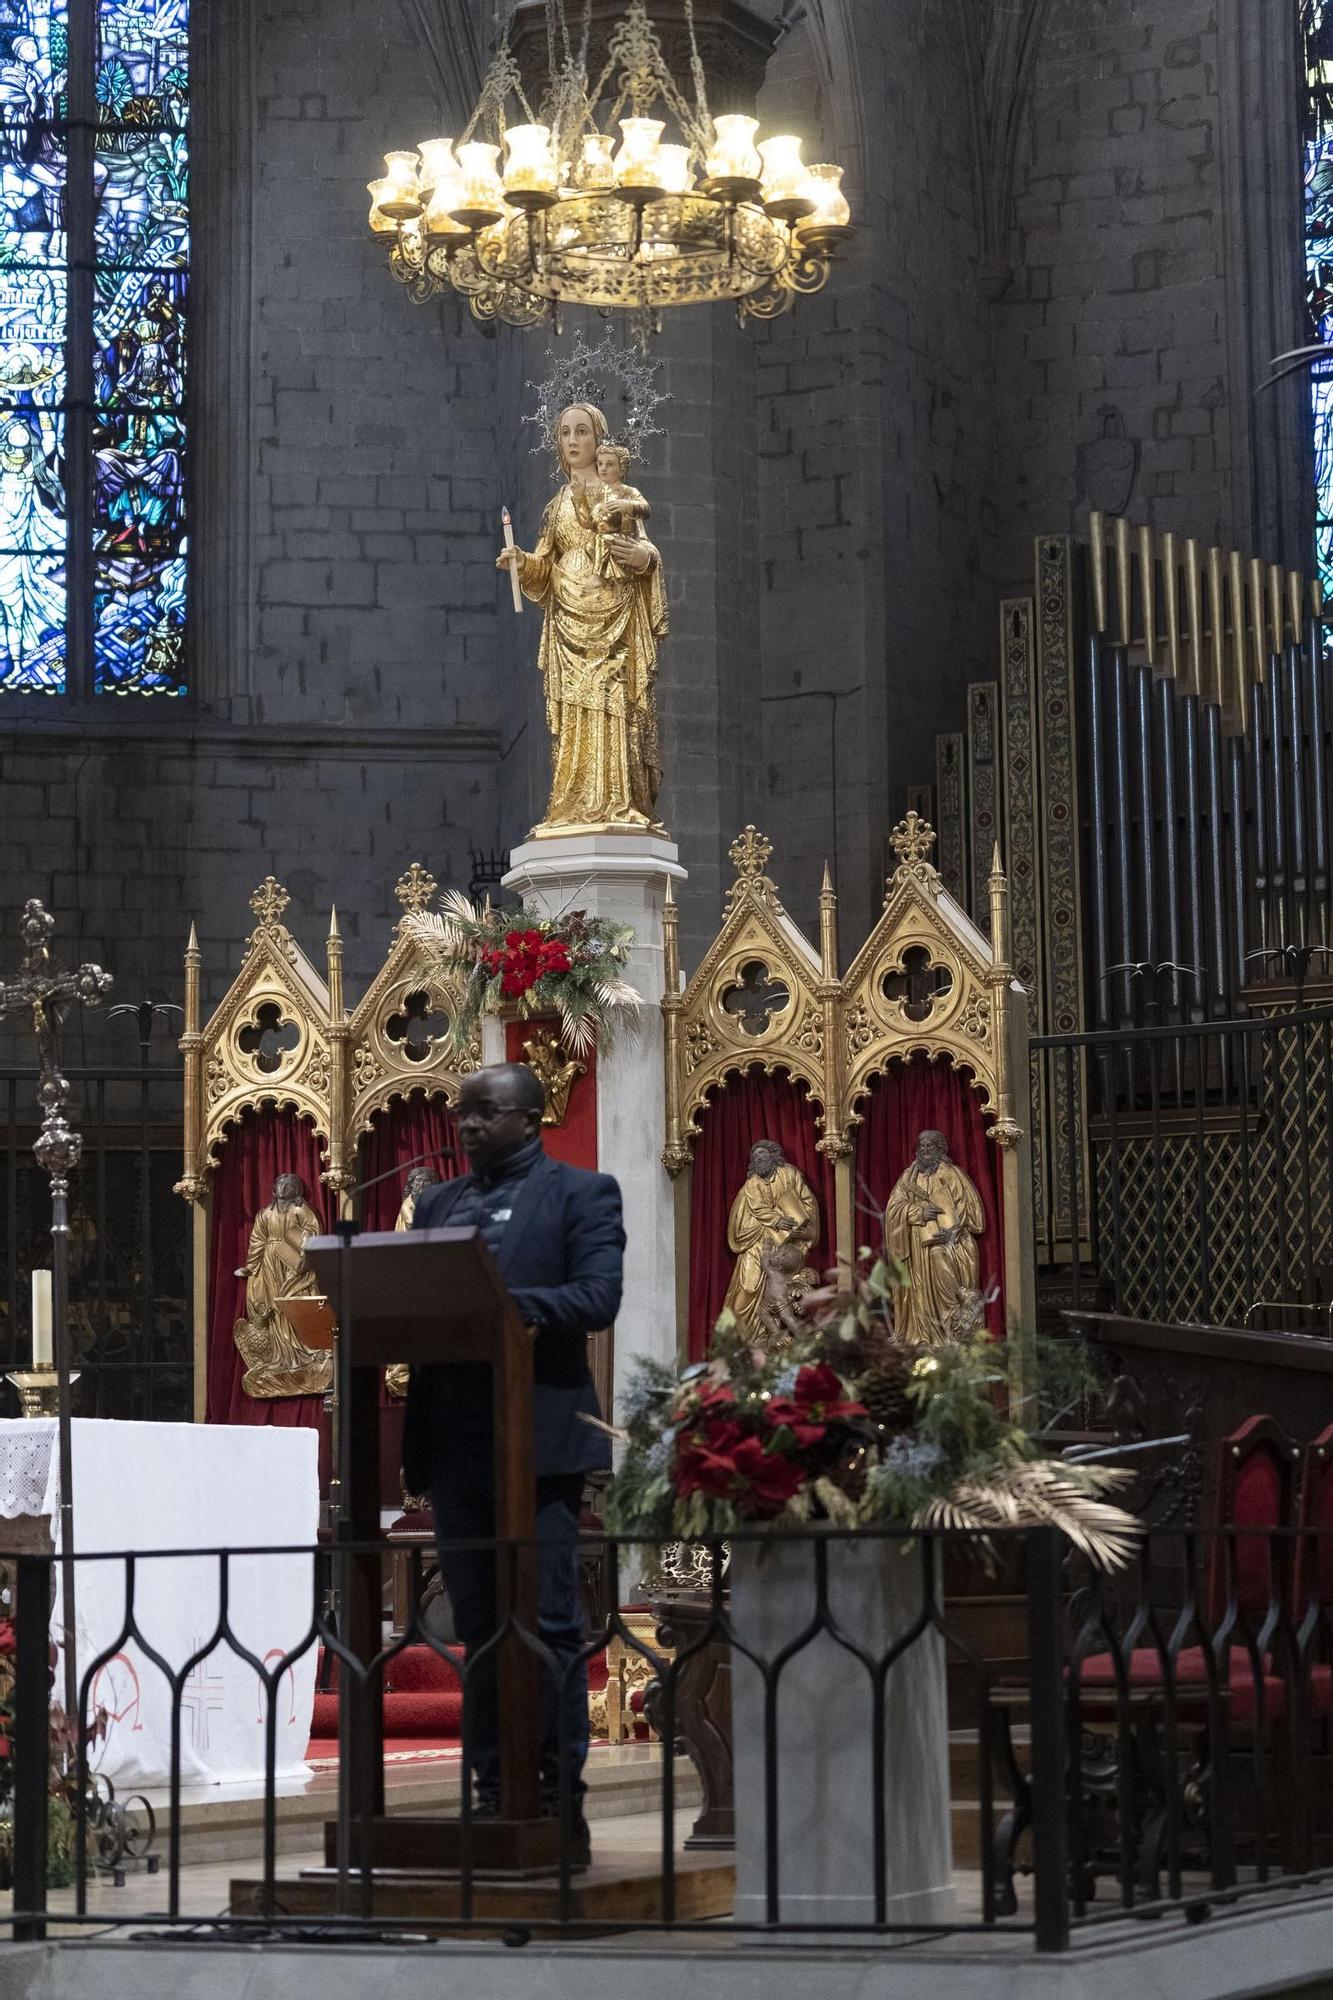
{"x": 926, "y": 981}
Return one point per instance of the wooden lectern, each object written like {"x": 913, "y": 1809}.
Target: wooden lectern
{"x": 434, "y": 1295}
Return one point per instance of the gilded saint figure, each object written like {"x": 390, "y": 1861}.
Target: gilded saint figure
{"x": 421, "y": 1177}
{"x": 276, "y": 1362}
{"x": 599, "y": 582}
{"x": 931, "y": 1225}
{"x": 774, "y": 1220}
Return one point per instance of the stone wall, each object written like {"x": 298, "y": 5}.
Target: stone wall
{"x": 1113, "y": 336}
{"x": 876, "y": 457}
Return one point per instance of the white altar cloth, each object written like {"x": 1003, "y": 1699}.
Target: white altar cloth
{"x": 142, "y": 1487}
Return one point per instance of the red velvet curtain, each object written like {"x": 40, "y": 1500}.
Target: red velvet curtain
{"x": 923, "y": 1095}
{"x": 403, "y": 1130}
{"x": 262, "y": 1145}
{"x": 753, "y": 1106}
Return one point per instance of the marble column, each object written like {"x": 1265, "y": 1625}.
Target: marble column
{"x": 623, "y": 877}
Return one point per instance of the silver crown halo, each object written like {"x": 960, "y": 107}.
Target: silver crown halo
{"x": 588, "y": 375}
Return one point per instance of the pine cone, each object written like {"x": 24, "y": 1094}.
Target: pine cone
{"x": 883, "y": 1389}
{"x": 870, "y": 1347}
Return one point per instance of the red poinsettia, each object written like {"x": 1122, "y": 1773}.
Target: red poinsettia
{"x": 724, "y": 1462}
{"x": 524, "y": 958}
{"x": 817, "y": 1400}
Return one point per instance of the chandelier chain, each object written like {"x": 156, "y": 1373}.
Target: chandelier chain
{"x": 697, "y": 68}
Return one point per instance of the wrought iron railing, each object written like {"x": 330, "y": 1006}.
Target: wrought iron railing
{"x": 1199, "y": 1163}
{"x": 130, "y": 1239}
{"x": 1163, "y": 1748}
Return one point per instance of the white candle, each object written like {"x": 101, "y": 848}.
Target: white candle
{"x": 508, "y": 527}
{"x": 41, "y": 1319}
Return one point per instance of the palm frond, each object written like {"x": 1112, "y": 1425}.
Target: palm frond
{"x": 436, "y": 940}
{"x": 576, "y": 1030}
{"x": 618, "y": 993}
{"x": 1042, "y": 1493}
{"x": 456, "y": 904}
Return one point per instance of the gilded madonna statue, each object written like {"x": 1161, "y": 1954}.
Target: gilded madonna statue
{"x": 599, "y": 582}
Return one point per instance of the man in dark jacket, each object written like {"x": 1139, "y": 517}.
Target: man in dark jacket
{"x": 556, "y": 1233}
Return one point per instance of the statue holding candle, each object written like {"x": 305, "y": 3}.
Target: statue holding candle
{"x": 603, "y": 599}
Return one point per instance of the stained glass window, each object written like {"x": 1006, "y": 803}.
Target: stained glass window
{"x": 1316, "y": 18}
{"x": 94, "y": 271}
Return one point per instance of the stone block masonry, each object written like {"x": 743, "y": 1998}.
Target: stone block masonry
{"x": 1113, "y": 338}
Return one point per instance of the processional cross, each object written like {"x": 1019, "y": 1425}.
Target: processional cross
{"x": 43, "y": 990}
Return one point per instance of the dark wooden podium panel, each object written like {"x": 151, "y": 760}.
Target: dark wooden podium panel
{"x": 433, "y": 1295}
{"x": 424, "y": 1321}
{"x": 1204, "y": 1381}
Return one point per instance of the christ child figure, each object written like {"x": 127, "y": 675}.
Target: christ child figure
{"x": 622, "y": 509}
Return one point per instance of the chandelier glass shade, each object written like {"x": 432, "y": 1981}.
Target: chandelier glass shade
{"x": 621, "y": 192}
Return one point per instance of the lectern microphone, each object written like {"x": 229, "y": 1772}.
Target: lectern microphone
{"x": 436, "y": 1155}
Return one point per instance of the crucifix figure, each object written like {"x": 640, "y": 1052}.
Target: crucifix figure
{"x": 43, "y": 990}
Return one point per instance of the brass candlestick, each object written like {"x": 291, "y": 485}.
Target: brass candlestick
{"x": 39, "y": 1390}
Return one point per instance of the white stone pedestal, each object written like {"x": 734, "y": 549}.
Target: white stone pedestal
{"x": 623, "y": 877}
{"x": 824, "y": 1723}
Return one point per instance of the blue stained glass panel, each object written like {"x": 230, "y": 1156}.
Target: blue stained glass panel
{"x": 142, "y": 200}
{"x": 143, "y": 62}
{"x": 139, "y": 339}
{"x": 34, "y": 39}
{"x": 32, "y": 622}
{"x": 1316, "y": 21}
{"x": 139, "y": 330}
{"x": 138, "y": 206}
{"x": 33, "y": 601}
{"x": 139, "y": 613}
{"x": 32, "y": 198}
{"x": 32, "y": 345}
{"x": 33, "y": 529}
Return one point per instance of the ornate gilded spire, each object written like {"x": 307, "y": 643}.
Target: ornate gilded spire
{"x": 269, "y": 901}
{"x": 912, "y": 840}
{"x": 416, "y": 889}
{"x": 750, "y": 853}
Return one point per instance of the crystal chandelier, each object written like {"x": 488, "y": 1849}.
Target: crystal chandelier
{"x": 555, "y": 209}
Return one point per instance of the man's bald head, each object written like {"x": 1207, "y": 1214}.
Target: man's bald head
{"x": 499, "y": 1110}
{"x": 525, "y": 1087}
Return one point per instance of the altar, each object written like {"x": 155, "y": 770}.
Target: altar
{"x": 140, "y": 1487}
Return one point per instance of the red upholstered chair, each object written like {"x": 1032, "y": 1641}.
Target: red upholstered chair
{"x": 1246, "y": 1608}
{"x": 1314, "y": 1546}
{"x": 1250, "y": 1580}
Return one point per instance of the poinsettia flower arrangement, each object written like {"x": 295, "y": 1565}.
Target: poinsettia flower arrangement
{"x": 571, "y": 965}
{"x": 847, "y": 1425}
